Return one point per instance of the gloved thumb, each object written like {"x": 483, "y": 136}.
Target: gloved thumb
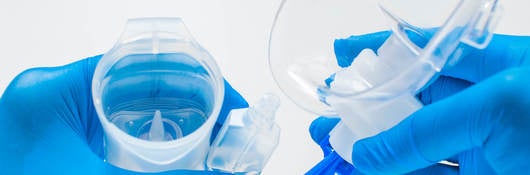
{"x": 446, "y": 128}
{"x": 321, "y": 127}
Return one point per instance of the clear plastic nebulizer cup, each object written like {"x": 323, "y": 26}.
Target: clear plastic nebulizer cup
{"x": 157, "y": 93}
{"x": 377, "y": 89}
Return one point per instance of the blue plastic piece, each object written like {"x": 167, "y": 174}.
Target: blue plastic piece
{"x": 332, "y": 164}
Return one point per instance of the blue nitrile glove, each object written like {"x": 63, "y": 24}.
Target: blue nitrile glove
{"x": 48, "y": 124}
{"x": 477, "y": 114}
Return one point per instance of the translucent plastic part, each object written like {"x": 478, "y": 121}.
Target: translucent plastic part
{"x": 378, "y": 89}
{"x": 247, "y": 139}
{"x": 157, "y": 93}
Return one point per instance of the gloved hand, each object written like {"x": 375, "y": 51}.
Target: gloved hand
{"x": 48, "y": 124}
{"x": 477, "y": 114}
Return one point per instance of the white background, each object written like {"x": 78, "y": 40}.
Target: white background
{"x": 56, "y": 32}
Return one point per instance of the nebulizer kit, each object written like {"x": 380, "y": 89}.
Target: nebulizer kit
{"x": 378, "y": 88}
{"x": 158, "y": 94}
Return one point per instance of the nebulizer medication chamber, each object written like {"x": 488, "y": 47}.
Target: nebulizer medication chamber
{"x": 377, "y": 90}
{"x": 158, "y": 94}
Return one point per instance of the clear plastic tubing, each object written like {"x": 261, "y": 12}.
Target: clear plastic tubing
{"x": 157, "y": 93}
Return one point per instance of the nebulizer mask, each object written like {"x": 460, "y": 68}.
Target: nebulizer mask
{"x": 158, "y": 94}
{"x": 377, "y": 90}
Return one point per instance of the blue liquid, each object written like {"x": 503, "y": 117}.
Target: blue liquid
{"x": 176, "y": 85}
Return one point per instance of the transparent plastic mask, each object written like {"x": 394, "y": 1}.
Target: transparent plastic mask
{"x": 302, "y": 53}
{"x": 157, "y": 93}
{"x": 375, "y": 89}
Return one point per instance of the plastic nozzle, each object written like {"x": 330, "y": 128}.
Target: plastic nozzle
{"x": 267, "y": 106}
{"x": 156, "y": 132}
{"x": 247, "y": 139}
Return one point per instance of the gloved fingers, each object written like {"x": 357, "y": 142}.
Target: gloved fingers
{"x": 50, "y": 91}
{"x": 445, "y": 128}
{"x": 436, "y": 169}
{"x": 503, "y": 52}
{"x": 232, "y": 100}
{"x": 441, "y": 88}
{"x": 321, "y": 127}
{"x": 348, "y": 48}
{"x": 77, "y": 72}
